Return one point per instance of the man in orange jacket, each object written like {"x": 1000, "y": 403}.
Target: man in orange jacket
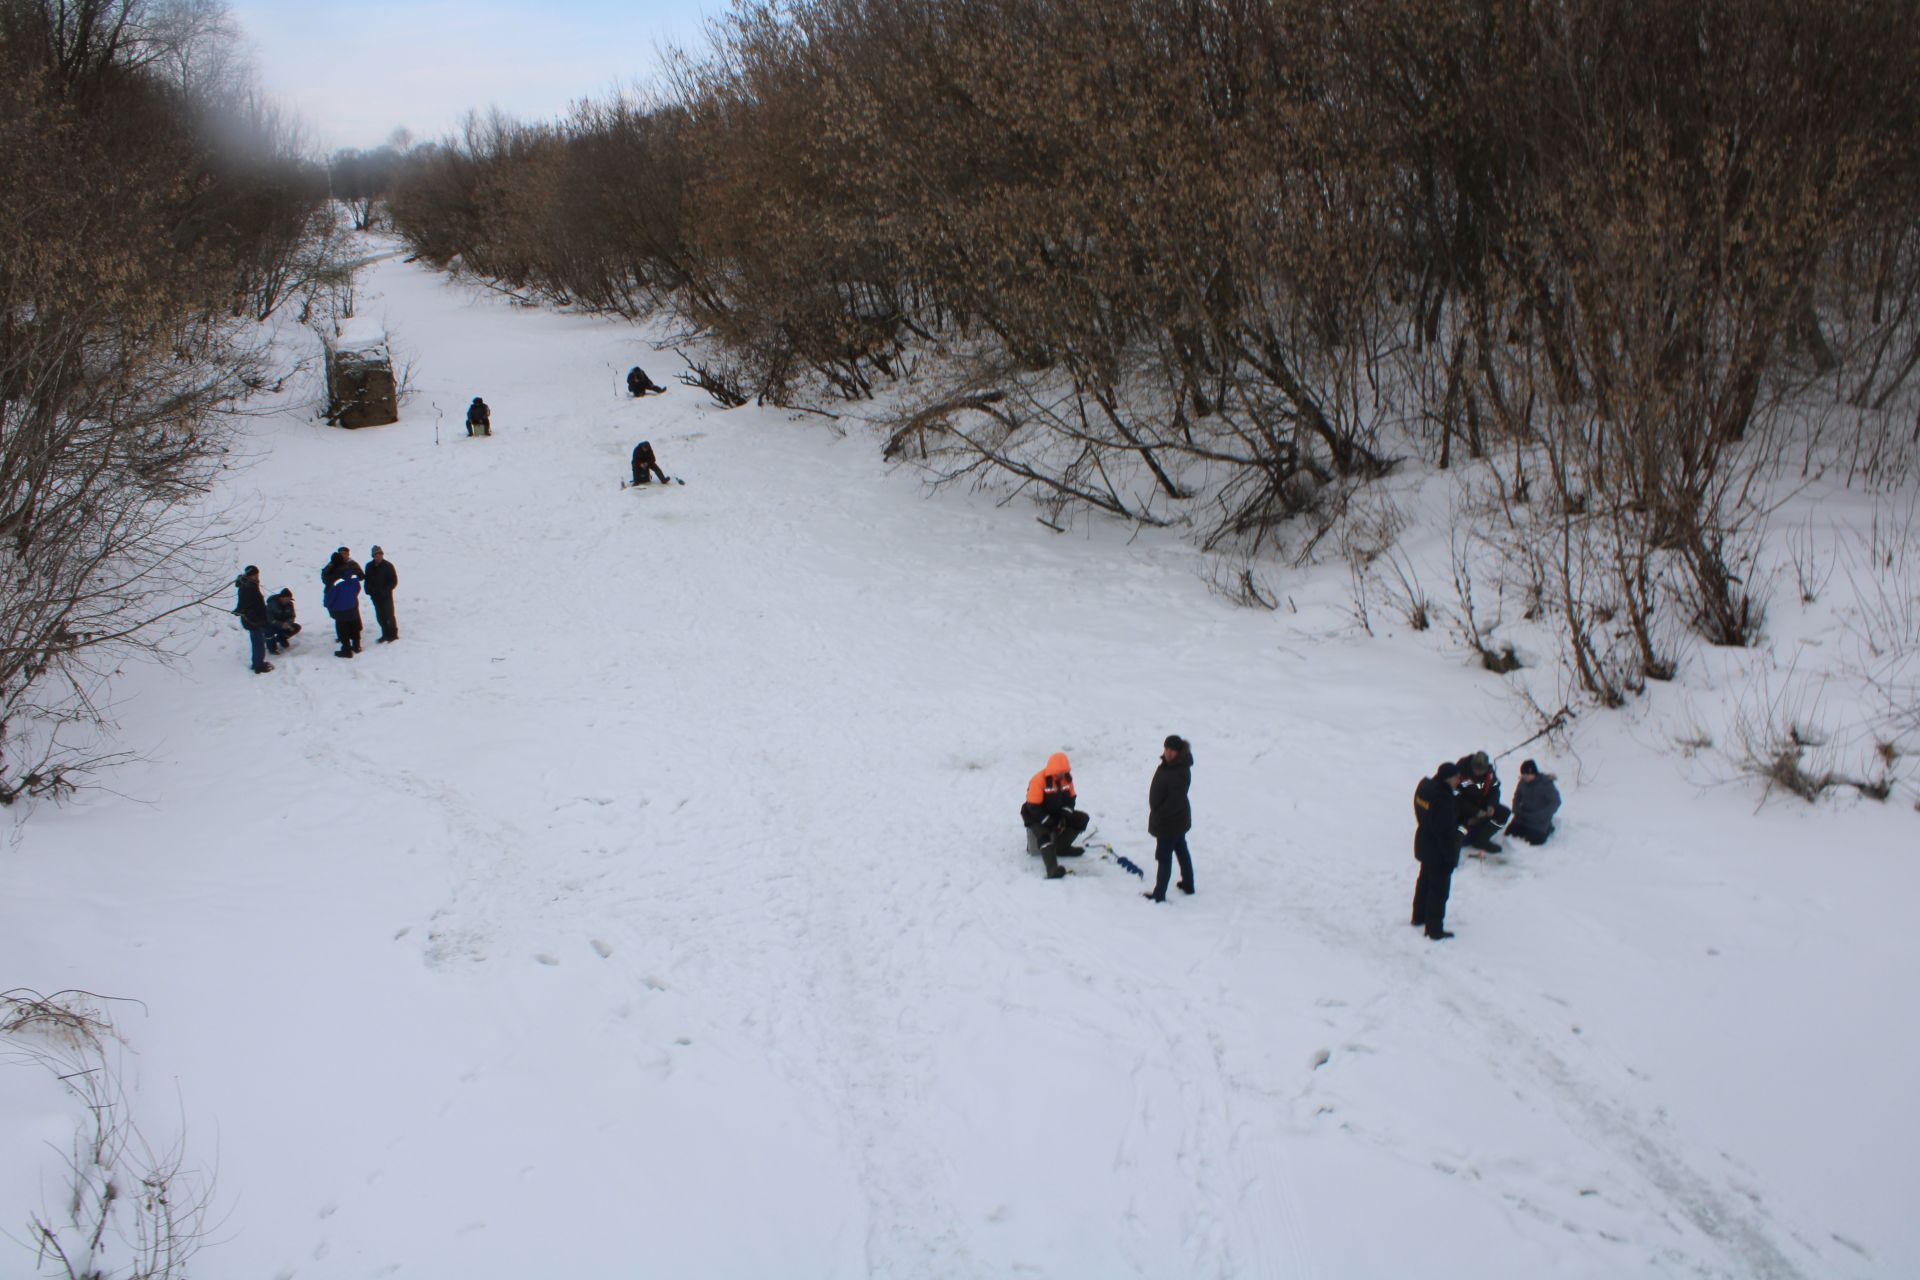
{"x": 1050, "y": 813}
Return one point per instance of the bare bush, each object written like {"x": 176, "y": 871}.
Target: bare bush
{"x": 132, "y": 1210}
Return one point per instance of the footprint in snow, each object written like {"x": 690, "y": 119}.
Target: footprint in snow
{"x": 545, "y": 957}
{"x": 601, "y": 949}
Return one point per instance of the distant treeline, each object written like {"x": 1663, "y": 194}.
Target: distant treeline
{"x": 1225, "y": 261}
{"x": 150, "y": 204}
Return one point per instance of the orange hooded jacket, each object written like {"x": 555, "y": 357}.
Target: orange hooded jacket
{"x": 1056, "y": 777}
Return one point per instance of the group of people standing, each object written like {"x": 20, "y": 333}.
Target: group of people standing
{"x": 270, "y": 620}
{"x": 1459, "y": 807}
{"x": 1053, "y": 818}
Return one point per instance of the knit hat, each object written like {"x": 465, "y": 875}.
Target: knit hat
{"x": 1528, "y": 766}
{"x": 250, "y": 570}
{"x": 1447, "y": 771}
{"x": 377, "y": 551}
{"x": 1175, "y": 742}
{"x": 1479, "y": 763}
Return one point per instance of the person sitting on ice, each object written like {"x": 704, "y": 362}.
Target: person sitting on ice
{"x": 1051, "y": 814}
{"x": 639, "y": 384}
{"x": 1535, "y": 800}
{"x": 479, "y": 418}
{"x": 645, "y": 465}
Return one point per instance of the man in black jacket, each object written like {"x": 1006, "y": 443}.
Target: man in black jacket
{"x": 340, "y": 566}
{"x": 645, "y": 465}
{"x": 1481, "y": 812}
{"x": 1169, "y": 816}
{"x": 380, "y": 580}
{"x": 639, "y": 384}
{"x": 479, "y": 418}
{"x": 1436, "y": 847}
{"x": 252, "y": 608}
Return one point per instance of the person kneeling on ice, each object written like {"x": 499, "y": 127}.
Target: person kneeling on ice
{"x": 1481, "y": 813}
{"x": 1051, "y": 816}
{"x": 645, "y": 465}
{"x": 1535, "y": 800}
{"x": 639, "y": 384}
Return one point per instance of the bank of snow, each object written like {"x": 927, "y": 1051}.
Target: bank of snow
{"x": 658, "y": 906}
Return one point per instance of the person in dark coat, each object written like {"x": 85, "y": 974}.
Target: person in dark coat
{"x": 479, "y": 418}
{"x": 1052, "y": 815}
{"x": 639, "y": 384}
{"x": 1169, "y": 816}
{"x": 252, "y": 608}
{"x": 380, "y": 580}
{"x": 339, "y": 567}
{"x": 343, "y": 603}
{"x": 281, "y": 626}
{"x": 1436, "y": 847}
{"x": 645, "y": 465}
{"x": 1481, "y": 813}
{"x": 1535, "y": 800}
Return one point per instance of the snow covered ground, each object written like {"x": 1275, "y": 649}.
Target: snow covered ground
{"x": 658, "y": 905}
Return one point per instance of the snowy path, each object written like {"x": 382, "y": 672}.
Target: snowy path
{"x": 658, "y": 905}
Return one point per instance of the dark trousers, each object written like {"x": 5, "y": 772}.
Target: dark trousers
{"x": 644, "y": 475}
{"x": 383, "y": 614}
{"x": 1430, "y": 895}
{"x": 346, "y": 629}
{"x": 1481, "y": 833}
{"x": 1165, "y": 850}
{"x": 257, "y": 643}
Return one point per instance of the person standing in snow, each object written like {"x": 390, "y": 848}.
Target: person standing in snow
{"x": 1481, "y": 812}
{"x": 339, "y": 567}
{"x": 1169, "y": 817}
{"x": 639, "y": 384}
{"x": 381, "y": 579}
{"x": 281, "y": 627}
{"x": 343, "y": 603}
{"x": 1535, "y": 800}
{"x": 1051, "y": 813}
{"x": 479, "y": 418}
{"x": 252, "y": 608}
{"x": 645, "y": 465}
{"x": 1436, "y": 847}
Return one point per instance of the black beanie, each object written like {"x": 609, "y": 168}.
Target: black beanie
{"x": 1528, "y": 766}
{"x": 1175, "y": 742}
{"x": 1446, "y": 771}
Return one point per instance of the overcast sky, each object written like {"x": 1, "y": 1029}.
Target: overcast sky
{"x": 355, "y": 70}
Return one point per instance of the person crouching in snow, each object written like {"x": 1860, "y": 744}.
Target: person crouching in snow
{"x": 1169, "y": 817}
{"x": 1535, "y": 800}
{"x": 639, "y": 384}
{"x": 281, "y": 626}
{"x": 645, "y": 465}
{"x": 1051, "y": 814}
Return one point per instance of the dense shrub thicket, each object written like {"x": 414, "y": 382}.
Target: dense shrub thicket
{"x": 1226, "y": 261}
{"x": 149, "y": 203}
